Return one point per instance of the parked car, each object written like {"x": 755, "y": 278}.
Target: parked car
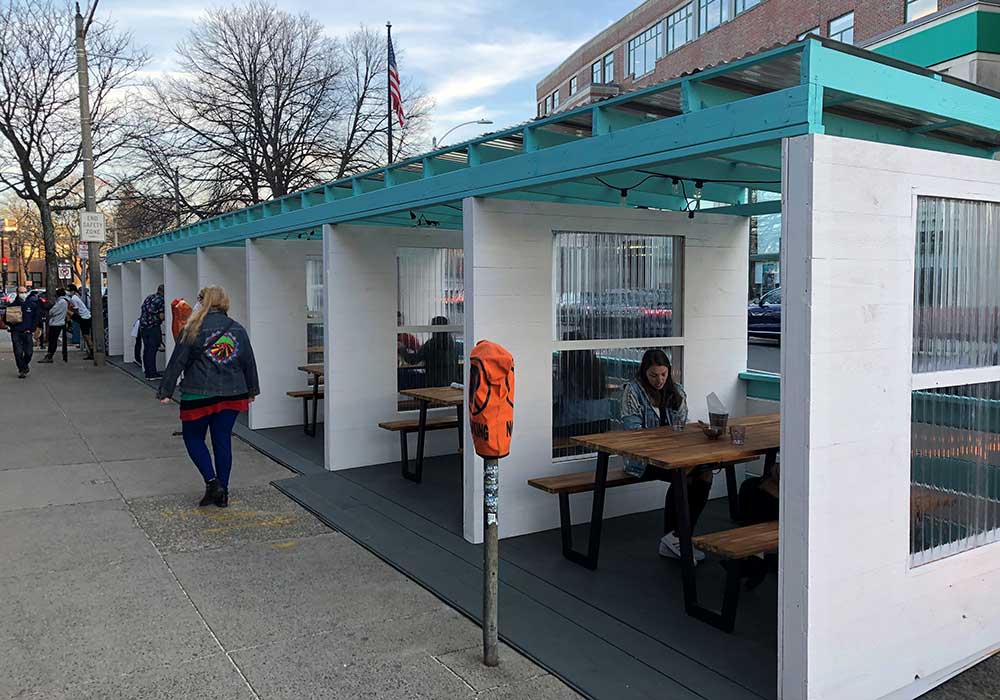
{"x": 764, "y": 315}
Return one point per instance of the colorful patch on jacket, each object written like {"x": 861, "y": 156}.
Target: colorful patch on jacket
{"x": 222, "y": 349}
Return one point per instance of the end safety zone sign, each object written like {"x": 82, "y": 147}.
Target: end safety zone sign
{"x": 93, "y": 228}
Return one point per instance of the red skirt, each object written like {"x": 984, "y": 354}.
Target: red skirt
{"x": 197, "y": 409}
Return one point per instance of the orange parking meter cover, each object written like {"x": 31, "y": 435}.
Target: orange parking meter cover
{"x": 180, "y": 311}
{"x": 491, "y": 399}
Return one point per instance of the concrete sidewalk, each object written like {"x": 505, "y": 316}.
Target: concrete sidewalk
{"x": 116, "y": 585}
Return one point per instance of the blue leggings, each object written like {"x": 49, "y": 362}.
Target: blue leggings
{"x": 221, "y": 426}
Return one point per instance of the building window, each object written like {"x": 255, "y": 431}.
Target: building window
{"x": 915, "y": 9}
{"x": 955, "y": 434}
{"x": 541, "y": 109}
{"x": 814, "y": 30}
{"x": 597, "y": 73}
{"x": 548, "y": 104}
{"x": 572, "y": 86}
{"x": 713, "y": 13}
{"x": 680, "y": 28}
{"x": 616, "y": 295}
{"x": 609, "y": 68}
{"x": 644, "y": 50}
{"x": 744, "y": 5}
{"x": 555, "y": 100}
{"x": 842, "y": 28}
{"x": 35, "y": 278}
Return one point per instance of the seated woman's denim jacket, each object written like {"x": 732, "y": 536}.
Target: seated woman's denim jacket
{"x": 639, "y": 413}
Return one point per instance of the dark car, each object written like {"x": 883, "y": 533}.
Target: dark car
{"x": 764, "y": 316}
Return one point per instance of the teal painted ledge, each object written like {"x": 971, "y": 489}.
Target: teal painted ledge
{"x": 762, "y": 385}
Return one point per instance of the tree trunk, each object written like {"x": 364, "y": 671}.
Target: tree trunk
{"x": 49, "y": 237}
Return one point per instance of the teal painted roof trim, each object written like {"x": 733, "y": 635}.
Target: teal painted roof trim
{"x": 762, "y": 385}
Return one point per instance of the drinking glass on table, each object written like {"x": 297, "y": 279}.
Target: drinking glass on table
{"x": 738, "y": 434}
{"x": 677, "y": 427}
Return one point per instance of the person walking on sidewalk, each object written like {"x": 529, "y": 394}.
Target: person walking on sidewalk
{"x": 57, "y": 322}
{"x": 82, "y": 314}
{"x": 220, "y": 380}
{"x": 22, "y": 317}
{"x": 150, "y": 319}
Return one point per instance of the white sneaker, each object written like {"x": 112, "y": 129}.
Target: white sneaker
{"x": 670, "y": 546}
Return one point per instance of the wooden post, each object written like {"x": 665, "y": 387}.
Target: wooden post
{"x": 491, "y": 560}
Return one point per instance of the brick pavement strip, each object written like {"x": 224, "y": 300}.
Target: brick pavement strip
{"x": 115, "y": 584}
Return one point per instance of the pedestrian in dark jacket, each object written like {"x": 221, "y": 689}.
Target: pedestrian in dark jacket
{"x": 220, "y": 380}
{"x": 22, "y": 317}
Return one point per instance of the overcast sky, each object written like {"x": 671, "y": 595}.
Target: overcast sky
{"x": 478, "y": 58}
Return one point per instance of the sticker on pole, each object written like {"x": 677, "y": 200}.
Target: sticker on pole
{"x": 65, "y": 272}
{"x": 491, "y": 399}
{"x": 93, "y": 228}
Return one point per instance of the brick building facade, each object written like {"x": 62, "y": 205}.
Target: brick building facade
{"x": 672, "y": 37}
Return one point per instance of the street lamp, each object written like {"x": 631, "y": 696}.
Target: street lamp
{"x": 435, "y": 142}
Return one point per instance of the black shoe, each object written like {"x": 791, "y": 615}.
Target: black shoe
{"x": 26, "y": 370}
{"x": 222, "y": 498}
{"x": 47, "y": 360}
{"x": 212, "y": 489}
{"x": 22, "y": 375}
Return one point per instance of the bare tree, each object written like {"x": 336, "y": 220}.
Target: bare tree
{"x": 248, "y": 118}
{"x": 40, "y": 155}
{"x": 266, "y": 104}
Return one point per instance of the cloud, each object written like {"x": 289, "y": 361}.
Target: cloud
{"x": 476, "y": 70}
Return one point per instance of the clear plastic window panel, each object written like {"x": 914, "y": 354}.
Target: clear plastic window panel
{"x": 431, "y": 285}
{"x": 956, "y": 305}
{"x": 427, "y": 360}
{"x": 314, "y": 309}
{"x": 616, "y": 286}
{"x": 587, "y": 389}
{"x": 955, "y": 470}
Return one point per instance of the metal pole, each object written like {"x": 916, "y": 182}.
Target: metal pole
{"x": 388, "y": 88}
{"x": 177, "y": 194}
{"x": 89, "y": 189}
{"x": 3, "y": 254}
{"x": 491, "y": 560}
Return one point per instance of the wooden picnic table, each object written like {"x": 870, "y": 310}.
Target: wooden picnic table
{"x": 315, "y": 372}
{"x": 437, "y": 396}
{"x": 670, "y": 456}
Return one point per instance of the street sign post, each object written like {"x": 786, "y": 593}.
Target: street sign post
{"x": 93, "y": 227}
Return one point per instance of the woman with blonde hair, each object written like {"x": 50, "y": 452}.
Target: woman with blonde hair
{"x": 220, "y": 380}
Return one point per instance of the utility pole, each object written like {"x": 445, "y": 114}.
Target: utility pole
{"x": 89, "y": 188}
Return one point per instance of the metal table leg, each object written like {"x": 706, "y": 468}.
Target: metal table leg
{"x": 418, "y": 474}
{"x": 596, "y": 519}
{"x": 315, "y": 404}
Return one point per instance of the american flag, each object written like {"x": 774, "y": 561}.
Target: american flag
{"x": 394, "y": 93}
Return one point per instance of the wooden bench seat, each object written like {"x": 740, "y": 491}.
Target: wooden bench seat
{"x": 924, "y": 499}
{"x": 405, "y": 426}
{"x": 580, "y": 482}
{"x": 412, "y": 424}
{"x": 740, "y": 542}
{"x": 307, "y": 395}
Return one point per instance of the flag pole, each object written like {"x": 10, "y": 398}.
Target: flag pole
{"x": 388, "y": 87}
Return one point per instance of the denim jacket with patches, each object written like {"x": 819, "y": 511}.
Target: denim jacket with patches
{"x": 219, "y": 361}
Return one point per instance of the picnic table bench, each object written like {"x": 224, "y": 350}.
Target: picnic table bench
{"x": 426, "y": 397}
{"x": 313, "y": 394}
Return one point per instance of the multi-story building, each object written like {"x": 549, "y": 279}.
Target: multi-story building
{"x": 662, "y": 39}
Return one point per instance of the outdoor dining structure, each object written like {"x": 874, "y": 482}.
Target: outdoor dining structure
{"x": 582, "y": 239}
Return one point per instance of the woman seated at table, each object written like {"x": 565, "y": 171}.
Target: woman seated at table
{"x": 651, "y": 400}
